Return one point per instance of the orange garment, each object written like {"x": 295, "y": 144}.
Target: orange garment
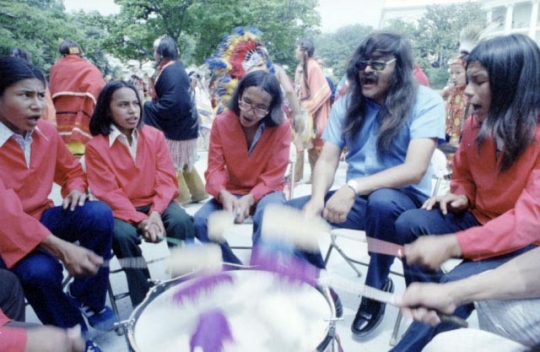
{"x": 507, "y": 205}
{"x": 125, "y": 184}
{"x": 24, "y": 191}
{"x": 456, "y": 104}
{"x": 316, "y": 99}
{"x": 75, "y": 86}
{"x": 49, "y": 114}
{"x": 231, "y": 168}
{"x": 11, "y": 339}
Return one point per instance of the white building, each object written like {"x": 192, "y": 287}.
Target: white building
{"x": 514, "y": 16}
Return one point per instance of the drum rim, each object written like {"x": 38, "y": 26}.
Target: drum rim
{"x": 163, "y": 286}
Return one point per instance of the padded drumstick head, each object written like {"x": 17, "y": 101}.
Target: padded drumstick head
{"x": 290, "y": 225}
{"x": 219, "y": 222}
{"x": 194, "y": 259}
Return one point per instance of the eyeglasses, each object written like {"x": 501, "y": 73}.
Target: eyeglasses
{"x": 259, "y": 112}
{"x": 375, "y": 65}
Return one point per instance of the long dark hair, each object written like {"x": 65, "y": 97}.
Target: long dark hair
{"x": 401, "y": 96}
{"x": 101, "y": 120}
{"x": 513, "y": 66}
{"x": 14, "y": 69}
{"x": 265, "y": 81}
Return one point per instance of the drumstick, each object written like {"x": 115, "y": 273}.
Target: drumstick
{"x": 219, "y": 222}
{"x": 290, "y": 225}
{"x": 195, "y": 259}
{"x": 379, "y": 295}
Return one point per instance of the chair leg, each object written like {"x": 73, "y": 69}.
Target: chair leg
{"x": 327, "y": 256}
{"x": 348, "y": 261}
{"x": 394, "y": 337}
{"x": 120, "y": 328}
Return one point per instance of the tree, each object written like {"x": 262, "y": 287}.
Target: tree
{"x": 337, "y": 48}
{"x": 39, "y": 26}
{"x": 32, "y": 25}
{"x": 199, "y": 25}
{"x": 435, "y": 37}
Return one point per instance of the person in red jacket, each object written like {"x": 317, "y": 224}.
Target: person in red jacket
{"x": 492, "y": 213}
{"x": 36, "y": 236}
{"x": 248, "y": 156}
{"x": 130, "y": 168}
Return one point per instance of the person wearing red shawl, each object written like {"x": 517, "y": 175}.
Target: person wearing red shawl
{"x": 75, "y": 85}
{"x": 315, "y": 96}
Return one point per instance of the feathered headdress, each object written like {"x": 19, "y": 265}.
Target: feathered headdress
{"x": 237, "y": 53}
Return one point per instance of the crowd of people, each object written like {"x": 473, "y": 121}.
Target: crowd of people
{"x": 125, "y": 165}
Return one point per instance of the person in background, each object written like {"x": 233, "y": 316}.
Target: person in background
{"x": 204, "y": 108}
{"x": 75, "y": 84}
{"x": 130, "y": 168}
{"x": 456, "y": 100}
{"x": 173, "y": 112}
{"x": 390, "y": 125}
{"x": 248, "y": 156}
{"x": 315, "y": 96}
{"x": 492, "y": 213}
{"x": 17, "y": 336}
{"x": 36, "y": 237}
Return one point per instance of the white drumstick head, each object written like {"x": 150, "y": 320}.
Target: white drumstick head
{"x": 194, "y": 259}
{"x": 290, "y": 225}
{"x": 219, "y": 222}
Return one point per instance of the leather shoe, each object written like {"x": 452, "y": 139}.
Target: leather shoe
{"x": 337, "y": 303}
{"x": 370, "y": 313}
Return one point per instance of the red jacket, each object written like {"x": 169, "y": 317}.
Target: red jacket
{"x": 24, "y": 191}
{"x": 230, "y": 167}
{"x": 11, "y": 339}
{"x": 125, "y": 184}
{"x": 507, "y": 205}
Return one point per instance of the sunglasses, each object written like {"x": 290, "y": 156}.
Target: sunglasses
{"x": 375, "y": 65}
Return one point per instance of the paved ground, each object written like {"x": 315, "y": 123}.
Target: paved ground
{"x": 241, "y": 235}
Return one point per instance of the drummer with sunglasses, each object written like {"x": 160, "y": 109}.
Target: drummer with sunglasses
{"x": 390, "y": 125}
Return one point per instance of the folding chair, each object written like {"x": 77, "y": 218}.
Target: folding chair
{"x": 440, "y": 174}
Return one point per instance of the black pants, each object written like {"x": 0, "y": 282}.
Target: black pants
{"x": 11, "y": 296}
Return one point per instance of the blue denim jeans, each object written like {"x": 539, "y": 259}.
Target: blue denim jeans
{"x": 201, "y": 222}
{"x": 376, "y": 214}
{"x": 419, "y": 222}
{"x": 40, "y": 273}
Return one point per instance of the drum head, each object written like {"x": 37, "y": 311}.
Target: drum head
{"x": 264, "y": 312}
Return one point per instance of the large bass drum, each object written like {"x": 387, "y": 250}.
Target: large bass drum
{"x": 264, "y": 313}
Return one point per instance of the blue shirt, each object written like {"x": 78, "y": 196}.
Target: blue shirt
{"x": 425, "y": 121}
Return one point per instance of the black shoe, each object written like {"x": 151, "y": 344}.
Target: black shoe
{"x": 337, "y": 303}
{"x": 370, "y": 313}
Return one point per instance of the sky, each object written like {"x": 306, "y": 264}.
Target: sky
{"x": 334, "y": 13}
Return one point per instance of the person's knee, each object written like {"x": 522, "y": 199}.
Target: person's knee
{"x": 406, "y": 225}
{"x": 47, "y": 274}
{"x": 380, "y": 202}
{"x": 98, "y": 215}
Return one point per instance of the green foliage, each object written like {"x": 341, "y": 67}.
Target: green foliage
{"x": 199, "y": 25}
{"x": 337, "y": 48}
{"x": 435, "y": 38}
{"x": 39, "y": 26}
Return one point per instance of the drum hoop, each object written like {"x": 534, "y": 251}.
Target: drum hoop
{"x": 163, "y": 286}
